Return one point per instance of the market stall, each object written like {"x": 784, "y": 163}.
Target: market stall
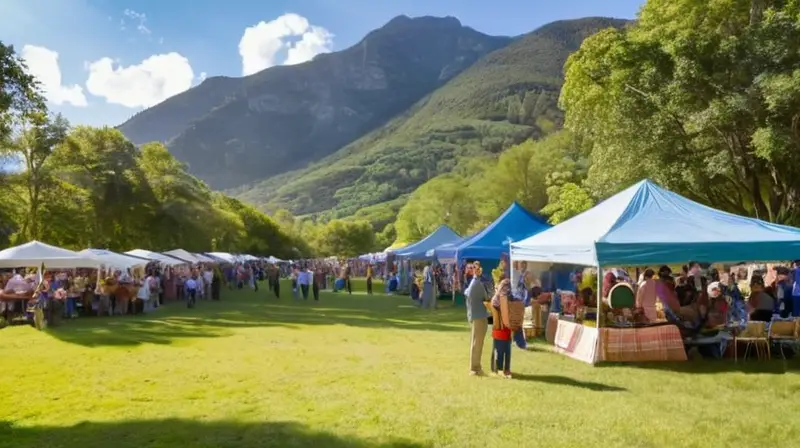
{"x": 222, "y": 256}
{"x": 514, "y": 224}
{"x": 183, "y": 255}
{"x": 19, "y": 294}
{"x": 164, "y": 259}
{"x": 418, "y": 250}
{"x": 646, "y": 225}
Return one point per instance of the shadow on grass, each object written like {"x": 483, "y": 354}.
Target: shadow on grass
{"x": 248, "y": 309}
{"x": 774, "y": 367}
{"x": 566, "y": 381}
{"x": 182, "y": 433}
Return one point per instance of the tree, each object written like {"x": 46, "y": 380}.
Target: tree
{"x": 20, "y": 97}
{"x": 104, "y": 165}
{"x": 346, "y": 238}
{"x": 445, "y": 199}
{"x": 702, "y": 97}
{"x": 566, "y": 201}
{"x": 521, "y": 175}
{"x": 32, "y": 148}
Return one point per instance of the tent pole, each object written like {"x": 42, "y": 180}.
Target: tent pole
{"x": 599, "y": 312}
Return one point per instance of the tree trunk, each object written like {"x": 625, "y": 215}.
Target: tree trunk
{"x": 757, "y": 11}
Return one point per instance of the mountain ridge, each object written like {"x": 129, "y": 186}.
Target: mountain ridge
{"x": 244, "y": 129}
{"x": 504, "y": 98}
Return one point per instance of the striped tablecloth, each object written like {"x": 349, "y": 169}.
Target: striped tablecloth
{"x": 661, "y": 343}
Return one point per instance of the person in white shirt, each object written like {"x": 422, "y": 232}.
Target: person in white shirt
{"x": 144, "y": 295}
{"x": 200, "y": 286}
{"x": 208, "y": 277}
{"x": 304, "y": 281}
{"x": 191, "y": 291}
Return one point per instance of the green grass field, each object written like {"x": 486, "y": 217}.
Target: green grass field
{"x": 358, "y": 371}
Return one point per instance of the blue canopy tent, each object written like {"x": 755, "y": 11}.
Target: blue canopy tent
{"x": 514, "y": 224}
{"x": 418, "y": 250}
{"x": 446, "y": 252}
{"x": 648, "y": 225}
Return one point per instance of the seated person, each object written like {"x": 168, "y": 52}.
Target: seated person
{"x": 718, "y": 311}
{"x": 761, "y": 302}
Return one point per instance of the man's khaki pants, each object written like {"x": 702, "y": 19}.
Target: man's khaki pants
{"x": 478, "y": 336}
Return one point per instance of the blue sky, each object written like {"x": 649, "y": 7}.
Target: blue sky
{"x": 103, "y": 60}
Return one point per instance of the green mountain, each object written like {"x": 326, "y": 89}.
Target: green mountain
{"x": 505, "y": 97}
{"x": 231, "y": 131}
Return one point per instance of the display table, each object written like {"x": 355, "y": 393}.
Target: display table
{"x": 661, "y": 343}
{"x": 576, "y": 341}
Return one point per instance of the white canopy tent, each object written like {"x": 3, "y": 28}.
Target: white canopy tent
{"x": 113, "y": 259}
{"x": 35, "y": 253}
{"x": 155, "y": 256}
{"x": 204, "y": 259}
{"x": 183, "y": 255}
{"x": 223, "y": 256}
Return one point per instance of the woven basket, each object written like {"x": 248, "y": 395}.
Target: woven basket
{"x": 516, "y": 314}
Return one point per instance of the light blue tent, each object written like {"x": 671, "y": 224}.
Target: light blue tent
{"x": 417, "y": 251}
{"x": 514, "y": 224}
{"x": 648, "y": 225}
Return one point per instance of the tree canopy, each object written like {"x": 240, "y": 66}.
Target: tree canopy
{"x": 702, "y": 96}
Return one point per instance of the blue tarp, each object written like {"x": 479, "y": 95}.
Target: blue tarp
{"x": 417, "y": 251}
{"x": 514, "y": 224}
{"x": 646, "y": 225}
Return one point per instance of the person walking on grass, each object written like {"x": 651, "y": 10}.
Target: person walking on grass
{"x": 304, "y": 281}
{"x": 191, "y": 291}
{"x": 369, "y": 279}
{"x": 318, "y": 277}
{"x": 478, "y": 317}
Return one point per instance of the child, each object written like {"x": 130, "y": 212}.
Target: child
{"x": 501, "y": 329}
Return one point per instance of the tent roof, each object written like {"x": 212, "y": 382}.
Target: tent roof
{"x": 441, "y": 235}
{"x": 155, "y": 256}
{"x": 204, "y": 259}
{"x": 113, "y": 259}
{"x": 183, "y": 255}
{"x": 514, "y": 224}
{"x": 224, "y": 256}
{"x": 646, "y": 225}
{"x": 34, "y": 253}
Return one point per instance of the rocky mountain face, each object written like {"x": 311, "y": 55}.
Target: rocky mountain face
{"x": 504, "y": 98}
{"x": 232, "y": 131}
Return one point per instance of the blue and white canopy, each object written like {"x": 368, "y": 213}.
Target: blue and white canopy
{"x": 648, "y": 225}
{"x": 514, "y": 224}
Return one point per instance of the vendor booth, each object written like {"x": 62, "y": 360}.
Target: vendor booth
{"x": 646, "y": 225}
{"x": 114, "y": 260}
{"x": 514, "y": 224}
{"x": 418, "y": 250}
{"x": 164, "y": 259}
{"x": 183, "y": 255}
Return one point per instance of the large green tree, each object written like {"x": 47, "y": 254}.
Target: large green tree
{"x": 445, "y": 199}
{"x": 700, "y": 95}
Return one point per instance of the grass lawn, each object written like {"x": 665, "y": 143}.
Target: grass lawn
{"x": 358, "y": 371}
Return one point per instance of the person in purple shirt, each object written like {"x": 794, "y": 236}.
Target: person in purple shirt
{"x": 796, "y": 289}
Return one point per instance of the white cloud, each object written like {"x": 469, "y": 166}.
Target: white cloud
{"x": 202, "y": 77}
{"x": 146, "y": 84}
{"x": 43, "y": 64}
{"x": 139, "y": 19}
{"x": 261, "y": 44}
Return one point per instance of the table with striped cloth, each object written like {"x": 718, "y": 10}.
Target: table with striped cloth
{"x": 661, "y": 343}
{"x": 576, "y": 341}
